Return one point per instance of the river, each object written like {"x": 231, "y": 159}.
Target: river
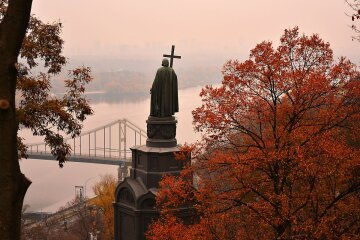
{"x": 52, "y": 187}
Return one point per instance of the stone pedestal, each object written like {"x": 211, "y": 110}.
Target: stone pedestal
{"x": 135, "y": 196}
{"x": 161, "y": 132}
{"x": 151, "y": 163}
{"x": 134, "y": 209}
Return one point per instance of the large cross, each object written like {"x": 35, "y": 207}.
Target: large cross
{"x": 171, "y": 56}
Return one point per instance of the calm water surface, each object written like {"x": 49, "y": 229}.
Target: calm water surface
{"x": 53, "y": 187}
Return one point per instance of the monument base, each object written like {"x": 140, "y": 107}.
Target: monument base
{"x": 151, "y": 163}
{"x": 161, "y": 132}
{"x": 134, "y": 208}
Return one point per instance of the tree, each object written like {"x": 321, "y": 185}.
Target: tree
{"x": 78, "y": 220}
{"x": 104, "y": 191}
{"x": 277, "y": 158}
{"x": 355, "y": 16}
{"x": 85, "y": 221}
{"x": 34, "y": 42}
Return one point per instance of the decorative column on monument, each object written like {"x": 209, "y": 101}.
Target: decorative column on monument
{"x": 134, "y": 207}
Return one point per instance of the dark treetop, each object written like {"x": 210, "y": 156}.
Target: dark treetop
{"x": 164, "y": 92}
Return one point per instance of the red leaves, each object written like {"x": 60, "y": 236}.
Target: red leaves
{"x": 278, "y": 146}
{"x": 171, "y": 229}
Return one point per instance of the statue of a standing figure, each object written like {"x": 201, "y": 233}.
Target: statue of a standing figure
{"x": 164, "y": 92}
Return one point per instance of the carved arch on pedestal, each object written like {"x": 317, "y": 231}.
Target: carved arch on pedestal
{"x": 125, "y": 195}
{"x": 147, "y": 201}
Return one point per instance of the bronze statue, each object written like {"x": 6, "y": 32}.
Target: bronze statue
{"x": 164, "y": 92}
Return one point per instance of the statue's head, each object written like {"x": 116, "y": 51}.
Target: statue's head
{"x": 165, "y": 62}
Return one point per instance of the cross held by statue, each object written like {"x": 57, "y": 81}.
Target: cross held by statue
{"x": 171, "y": 56}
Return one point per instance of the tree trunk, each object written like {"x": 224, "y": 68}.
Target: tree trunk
{"x": 13, "y": 184}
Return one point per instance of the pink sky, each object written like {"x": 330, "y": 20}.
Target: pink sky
{"x": 227, "y": 28}
{"x": 145, "y": 29}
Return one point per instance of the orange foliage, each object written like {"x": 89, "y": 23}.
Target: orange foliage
{"x": 277, "y": 159}
{"x": 104, "y": 191}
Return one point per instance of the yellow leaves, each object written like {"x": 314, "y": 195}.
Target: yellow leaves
{"x": 105, "y": 196}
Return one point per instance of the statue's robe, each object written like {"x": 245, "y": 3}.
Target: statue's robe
{"x": 164, "y": 93}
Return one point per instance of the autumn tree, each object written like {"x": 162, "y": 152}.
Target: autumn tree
{"x": 78, "y": 220}
{"x": 105, "y": 196}
{"x": 84, "y": 220}
{"x": 355, "y": 17}
{"x": 277, "y": 159}
{"x": 26, "y": 42}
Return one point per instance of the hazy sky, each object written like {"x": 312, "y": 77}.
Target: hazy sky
{"x": 199, "y": 28}
{"x": 142, "y": 30}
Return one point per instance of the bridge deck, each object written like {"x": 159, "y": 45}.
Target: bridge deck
{"x": 84, "y": 159}
{"x": 108, "y": 144}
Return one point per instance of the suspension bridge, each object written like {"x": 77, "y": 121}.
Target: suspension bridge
{"x": 108, "y": 144}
